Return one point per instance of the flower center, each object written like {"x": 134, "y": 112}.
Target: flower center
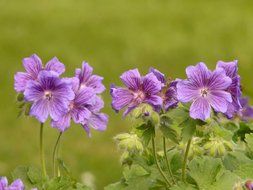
{"x": 48, "y": 95}
{"x": 71, "y": 105}
{"x": 139, "y": 96}
{"x": 204, "y": 92}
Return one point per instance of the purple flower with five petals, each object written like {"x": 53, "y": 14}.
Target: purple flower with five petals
{"x": 33, "y": 66}
{"x": 139, "y": 90}
{"x": 205, "y": 89}
{"x": 50, "y": 96}
{"x": 231, "y": 69}
{"x": 16, "y": 185}
{"x": 168, "y": 92}
{"x": 87, "y": 79}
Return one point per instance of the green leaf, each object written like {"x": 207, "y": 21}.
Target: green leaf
{"x": 183, "y": 186}
{"x": 241, "y": 133}
{"x": 189, "y": 128}
{"x": 249, "y": 141}
{"x": 116, "y": 186}
{"x": 169, "y": 133}
{"x": 148, "y": 133}
{"x": 208, "y": 173}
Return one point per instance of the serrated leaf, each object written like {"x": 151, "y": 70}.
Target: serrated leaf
{"x": 169, "y": 133}
{"x": 249, "y": 141}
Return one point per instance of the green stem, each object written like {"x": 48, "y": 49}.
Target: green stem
{"x": 42, "y": 154}
{"x": 185, "y": 160}
{"x": 167, "y": 161}
{"x": 55, "y": 153}
{"x": 157, "y": 164}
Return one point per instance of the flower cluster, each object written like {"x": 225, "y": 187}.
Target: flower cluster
{"x": 16, "y": 185}
{"x": 152, "y": 89}
{"x": 62, "y": 99}
{"x": 218, "y": 90}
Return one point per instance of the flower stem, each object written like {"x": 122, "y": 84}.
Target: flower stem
{"x": 55, "y": 153}
{"x": 167, "y": 161}
{"x": 185, "y": 160}
{"x": 42, "y": 154}
{"x": 157, "y": 164}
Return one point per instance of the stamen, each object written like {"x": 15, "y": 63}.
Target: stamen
{"x": 48, "y": 95}
{"x": 204, "y": 92}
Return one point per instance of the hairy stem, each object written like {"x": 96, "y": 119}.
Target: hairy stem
{"x": 42, "y": 154}
{"x": 55, "y": 153}
{"x": 185, "y": 160}
{"x": 167, "y": 161}
{"x": 157, "y": 164}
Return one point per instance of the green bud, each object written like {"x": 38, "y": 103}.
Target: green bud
{"x": 20, "y": 97}
{"x": 27, "y": 108}
{"x": 129, "y": 142}
{"x": 195, "y": 148}
{"x": 217, "y": 147}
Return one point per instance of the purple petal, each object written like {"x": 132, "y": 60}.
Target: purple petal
{"x": 98, "y": 121}
{"x": 231, "y": 67}
{"x": 160, "y": 76}
{"x": 120, "y": 98}
{"x": 219, "y": 80}
{"x": 151, "y": 85}
{"x": 33, "y": 91}
{"x": 84, "y": 97}
{"x": 58, "y": 107}
{"x": 200, "y": 109}
{"x": 187, "y": 91}
{"x": 40, "y": 110}
{"x": 85, "y": 73}
{"x": 63, "y": 123}
{"x": 21, "y": 80}
{"x": 3, "y": 183}
{"x": 56, "y": 66}
{"x": 87, "y": 129}
{"x": 132, "y": 79}
{"x": 98, "y": 104}
{"x": 154, "y": 100}
{"x": 219, "y": 100}
{"x": 80, "y": 114}
{"x": 33, "y": 65}
{"x": 17, "y": 185}
{"x": 95, "y": 82}
{"x": 129, "y": 109}
{"x": 199, "y": 74}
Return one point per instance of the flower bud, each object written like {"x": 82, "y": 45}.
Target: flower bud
{"x": 129, "y": 142}
{"x": 218, "y": 147}
{"x": 145, "y": 111}
{"x": 195, "y": 148}
{"x": 20, "y": 97}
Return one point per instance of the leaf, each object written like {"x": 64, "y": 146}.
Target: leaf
{"x": 209, "y": 173}
{"x": 35, "y": 176}
{"x": 241, "y": 133}
{"x": 249, "y": 141}
{"x": 116, "y": 186}
{"x": 169, "y": 133}
{"x": 148, "y": 133}
{"x": 189, "y": 128}
{"x": 183, "y": 186}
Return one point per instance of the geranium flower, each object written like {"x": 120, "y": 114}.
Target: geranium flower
{"x": 16, "y": 185}
{"x": 87, "y": 79}
{"x": 50, "y": 96}
{"x": 33, "y": 66}
{"x": 231, "y": 69}
{"x": 168, "y": 92}
{"x": 205, "y": 89}
{"x": 139, "y": 90}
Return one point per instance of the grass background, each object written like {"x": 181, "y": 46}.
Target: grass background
{"x": 113, "y": 36}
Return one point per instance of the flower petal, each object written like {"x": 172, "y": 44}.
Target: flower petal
{"x": 3, "y": 183}
{"x": 63, "y": 123}
{"x": 95, "y": 82}
{"x": 33, "y": 65}
{"x": 219, "y": 80}
{"x": 80, "y": 114}
{"x": 21, "y": 80}
{"x": 120, "y": 98}
{"x": 17, "y": 185}
{"x": 33, "y": 91}
{"x": 219, "y": 100}
{"x": 199, "y": 74}
{"x": 231, "y": 67}
{"x": 160, "y": 76}
{"x": 151, "y": 85}
{"x": 154, "y": 100}
{"x": 85, "y": 96}
{"x": 132, "y": 79}
{"x": 58, "y": 107}
{"x": 98, "y": 121}
{"x": 187, "y": 91}
{"x": 200, "y": 109}
{"x": 85, "y": 73}
{"x": 56, "y": 66}
{"x": 40, "y": 110}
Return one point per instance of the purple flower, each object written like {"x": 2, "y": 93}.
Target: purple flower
{"x": 87, "y": 79}
{"x": 84, "y": 109}
{"x": 50, "y": 96}
{"x": 234, "y": 89}
{"x": 246, "y": 112}
{"x": 33, "y": 66}
{"x": 205, "y": 89}
{"x": 168, "y": 92}
{"x": 16, "y": 185}
{"x": 139, "y": 90}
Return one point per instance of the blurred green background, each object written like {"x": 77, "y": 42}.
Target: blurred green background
{"x": 113, "y": 36}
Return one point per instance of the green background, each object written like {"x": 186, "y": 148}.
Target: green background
{"x": 113, "y": 36}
